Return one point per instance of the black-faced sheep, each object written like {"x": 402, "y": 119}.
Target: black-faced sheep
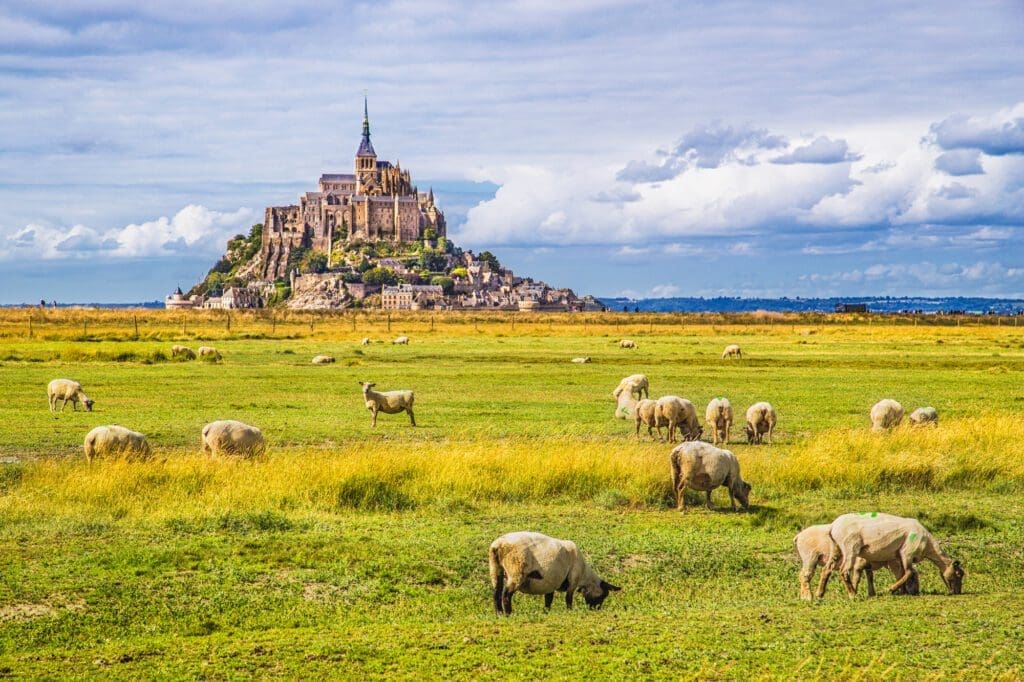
{"x": 533, "y": 563}
{"x": 881, "y": 538}
{"x": 389, "y": 402}
{"x": 115, "y": 440}
{"x": 701, "y": 466}
{"x": 67, "y": 389}
{"x": 718, "y": 418}
{"x": 183, "y": 352}
{"x": 886, "y": 414}
{"x": 230, "y": 437}
{"x": 761, "y": 419}
{"x": 923, "y": 416}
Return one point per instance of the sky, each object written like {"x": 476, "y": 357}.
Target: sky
{"x": 645, "y": 149}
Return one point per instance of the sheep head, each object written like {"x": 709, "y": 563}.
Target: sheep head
{"x": 751, "y": 434}
{"x": 742, "y": 493}
{"x": 595, "y": 595}
{"x": 88, "y": 402}
{"x": 954, "y": 578}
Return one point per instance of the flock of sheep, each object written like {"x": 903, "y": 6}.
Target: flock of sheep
{"x": 532, "y": 563}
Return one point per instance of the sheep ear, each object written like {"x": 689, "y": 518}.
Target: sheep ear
{"x": 610, "y": 587}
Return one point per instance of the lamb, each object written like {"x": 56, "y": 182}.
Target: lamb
{"x": 924, "y": 416}
{"x": 816, "y": 548}
{"x": 209, "y": 353}
{"x": 581, "y": 361}
{"x": 323, "y": 360}
{"x": 731, "y": 350}
{"x": 701, "y": 466}
{"x": 115, "y": 440}
{"x": 881, "y": 538}
{"x": 886, "y": 414}
{"x": 718, "y": 416}
{"x": 67, "y": 389}
{"x": 677, "y": 413}
{"x": 634, "y": 384}
{"x": 401, "y": 341}
{"x": 183, "y": 352}
{"x": 230, "y": 437}
{"x": 365, "y": 341}
{"x": 390, "y": 402}
{"x": 533, "y": 563}
{"x": 627, "y": 343}
{"x": 761, "y": 419}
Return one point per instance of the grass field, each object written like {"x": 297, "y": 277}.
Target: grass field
{"x": 351, "y": 552}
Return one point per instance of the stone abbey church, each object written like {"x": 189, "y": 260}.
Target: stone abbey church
{"x": 378, "y": 202}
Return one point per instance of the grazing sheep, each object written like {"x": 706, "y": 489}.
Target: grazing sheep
{"x": 390, "y": 402}
{"x": 701, "y": 466}
{"x": 881, "y": 538}
{"x": 401, "y": 341}
{"x": 886, "y": 414}
{"x": 761, "y": 419}
{"x": 924, "y": 415}
{"x": 627, "y": 343}
{"x": 626, "y": 405}
{"x": 634, "y": 384}
{"x": 645, "y": 412}
{"x": 115, "y": 440}
{"x": 816, "y": 548}
{"x": 365, "y": 341}
{"x": 67, "y": 389}
{"x": 718, "y": 416}
{"x": 323, "y": 360}
{"x": 581, "y": 361}
{"x": 209, "y": 353}
{"x": 678, "y": 413}
{"x": 183, "y": 352}
{"x": 731, "y": 350}
{"x": 230, "y": 437}
{"x": 533, "y": 563}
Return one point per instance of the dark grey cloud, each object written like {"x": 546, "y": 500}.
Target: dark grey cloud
{"x": 993, "y": 138}
{"x": 617, "y": 195}
{"x": 960, "y": 162}
{"x": 956, "y": 191}
{"x": 821, "y": 150}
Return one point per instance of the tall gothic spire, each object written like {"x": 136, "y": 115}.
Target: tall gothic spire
{"x": 365, "y": 147}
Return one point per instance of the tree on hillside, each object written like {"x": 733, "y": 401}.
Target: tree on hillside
{"x": 379, "y": 275}
{"x": 490, "y": 259}
{"x": 446, "y": 283}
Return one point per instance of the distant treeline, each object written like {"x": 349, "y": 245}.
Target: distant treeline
{"x": 875, "y": 304}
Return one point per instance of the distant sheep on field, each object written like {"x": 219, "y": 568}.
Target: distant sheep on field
{"x": 230, "y": 437}
{"x": 209, "y": 353}
{"x": 183, "y": 352}
{"x": 115, "y": 440}
{"x": 67, "y": 389}
{"x": 924, "y": 416}
{"x": 388, "y": 402}
{"x": 581, "y": 361}
{"x": 627, "y": 343}
{"x": 365, "y": 341}
{"x": 533, "y": 563}
{"x": 886, "y": 414}
{"x": 401, "y": 341}
{"x": 732, "y": 350}
{"x": 323, "y": 360}
{"x": 761, "y": 419}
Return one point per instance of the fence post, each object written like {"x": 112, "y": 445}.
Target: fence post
{"x": 183, "y": 325}
{"x": 30, "y": 332}
{"x": 85, "y": 327}
{"x": 228, "y": 323}
{"x": 431, "y": 323}
{"x": 273, "y": 323}
{"x": 135, "y": 322}
{"x": 389, "y": 322}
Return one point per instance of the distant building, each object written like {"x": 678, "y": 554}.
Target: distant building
{"x": 177, "y": 301}
{"x": 411, "y": 296}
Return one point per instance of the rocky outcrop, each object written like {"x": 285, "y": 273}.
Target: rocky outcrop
{"x": 319, "y": 292}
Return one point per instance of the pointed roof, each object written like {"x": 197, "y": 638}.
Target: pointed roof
{"x": 365, "y": 147}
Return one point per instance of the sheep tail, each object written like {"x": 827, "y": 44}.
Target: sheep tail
{"x": 497, "y": 578}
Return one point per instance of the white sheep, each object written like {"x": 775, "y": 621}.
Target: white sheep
{"x": 924, "y": 416}
{"x": 731, "y": 350}
{"x": 678, "y": 413}
{"x": 183, "y": 352}
{"x": 67, "y": 389}
{"x": 761, "y": 419}
{"x": 701, "y": 466}
{"x": 627, "y": 343}
{"x": 718, "y": 417}
{"x": 626, "y": 405}
{"x": 230, "y": 437}
{"x": 816, "y": 547}
{"x": 365, "y": 341}
{"x": 401, "y": 341}
{"x": 209, "y": 353}
{"x": 886, "y": 414}
{"x": 323, "y": 360}
{"x": 533, "y": 563}
{"x": 645, "y": 412}
{"x": 634, "y": 384}
{"x": 881, "y": 538}
{"x": 389, "y": 402}
{"x": 115, "y": 440}
{"x": 581, "y": 361}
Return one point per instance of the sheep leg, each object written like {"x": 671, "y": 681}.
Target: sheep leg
{"x": 568, "y": 599}
{"x": 506, "y": 601}
{"x": 806, "y": 573}
{"x": 373, "y": 423}
{"x": 680, "y": 498}
{"x": 850, "y": 554}
{"x": 708, "y": 494}
{"x": 908, "y": 568}
{"x": 771, "y": 427}
{"x": 732, "y": 499}
{"x": 870, "y": 575}
{"x": 548, "y": 598}
{"x": 826, "y": 573}
{"x": 728, "y": 425}
{"x": 499, "y": 589}
{"x": 411, "y": 417}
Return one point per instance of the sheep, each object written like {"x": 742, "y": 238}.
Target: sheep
{"x": 323, "y": 360}
{"x": 815, "y": 547}
{"x": 731, "y": 350}
{"x": 644, "y": 412}
{"x": 718, "y": 416}
{"x": 701, "y": 466}
{"x": 230, "y": 437}
{"x": 401, "y": 341}
{"x": 390, "y": 402}
{"x": 924, "y": 416}
{"x": 627, "y": 343}
{"x": 533, "y": 563}
{"x": 209, "y": 353}
{"x": 633, "y": 385}
{"x": 886, "y": 414}
{"x": 183, "y": 352}
{"x": 677, "y": 413}
{"x": 761, "y": 419}
{"x": 881, "y": 538}
{"x": 67, "y": 389}
{"x": 365, "y": 341}
{"x": 581, "y": 361}
{"x": 115, "y": 440}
